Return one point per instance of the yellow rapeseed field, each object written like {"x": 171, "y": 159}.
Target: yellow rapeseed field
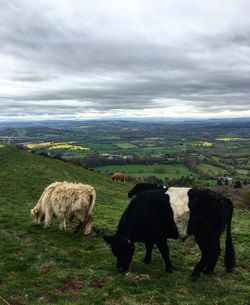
{"x": 43, "y": 144}
{"x": 68, "y": 146}
{"x": 205, "y": 144}
{"x": 227, "y": 139}
{"x": 48, "y": 144}
{"x": 57, "y": 145}
{"x": 208, "y": 144}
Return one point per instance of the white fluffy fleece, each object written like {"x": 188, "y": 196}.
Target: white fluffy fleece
{"x": 65, "y": 201}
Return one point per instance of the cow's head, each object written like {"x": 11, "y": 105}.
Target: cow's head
{"x": 123, "y": 249}
{"x": 37, "y": 215}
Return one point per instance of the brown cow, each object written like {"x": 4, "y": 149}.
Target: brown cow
{"x": 118, "y": 177}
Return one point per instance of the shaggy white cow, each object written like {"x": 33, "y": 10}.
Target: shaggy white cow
{"x": 67, "y": 201}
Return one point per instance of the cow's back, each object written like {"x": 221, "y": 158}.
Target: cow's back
{"x": 209, "y": 211}
{"x": 70, "y": 197}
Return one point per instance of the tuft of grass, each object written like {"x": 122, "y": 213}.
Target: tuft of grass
{"x": 40, "y": 266}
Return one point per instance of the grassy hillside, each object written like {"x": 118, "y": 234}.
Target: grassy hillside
{"x": 40, "y": 266}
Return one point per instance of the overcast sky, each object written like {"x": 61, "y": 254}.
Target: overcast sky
{"x": 90, "y": 58}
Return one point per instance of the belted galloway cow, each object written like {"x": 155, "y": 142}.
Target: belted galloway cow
{"x": 155, "y": 215}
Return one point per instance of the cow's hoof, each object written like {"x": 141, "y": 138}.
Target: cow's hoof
{"x": 169, "y": 269}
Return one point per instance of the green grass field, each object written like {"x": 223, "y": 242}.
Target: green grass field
{"x": 40, "y": 266}
{"x": 76, "y": 154}
{"x": 126, "y": 145}
{"x": 142, "y": 170}
{"x": 210, "y": 168}
{"x": 105, "y": 147}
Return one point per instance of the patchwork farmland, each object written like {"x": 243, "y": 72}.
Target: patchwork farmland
{"x": 202, "y": 152}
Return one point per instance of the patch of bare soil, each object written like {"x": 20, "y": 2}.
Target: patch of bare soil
{"x": 97, "y": 283}
{"x": 137, "y": 276}
{"x": 18, "y": 300}
{"x": 72, "y": 283}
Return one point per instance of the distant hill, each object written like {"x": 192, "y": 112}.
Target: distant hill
{"x": 30, "y": 132}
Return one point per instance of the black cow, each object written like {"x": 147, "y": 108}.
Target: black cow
{"x": 142, "y": 187}
{"x": 153, "y": 216}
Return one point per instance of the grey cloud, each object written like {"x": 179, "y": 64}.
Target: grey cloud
{"x": 57, "y": 54}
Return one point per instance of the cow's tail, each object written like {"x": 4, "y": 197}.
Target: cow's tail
{"x": 86, "y": 225}
{"x": 229, "y": 259}
{"x": 92, "y": 201}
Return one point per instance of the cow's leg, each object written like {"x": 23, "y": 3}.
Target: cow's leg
{"x": 48, "y": 211}
{"x": 47, "y": 220}
{"x": 79, "y": 215}
{"x": 149, "y": 247}
{"x": 214, "y": 255}
{"x": 87, "y": 230}
{"x": 85, "y": 225}
{"x": 204, "y": 247}
{"x": 163, "y": 248}
{"x": 62, "y": 223}
{"x": 78, "y": 227}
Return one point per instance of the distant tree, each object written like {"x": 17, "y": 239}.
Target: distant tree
{"x": 151, "y": 179}
{"x": 237, "y": 184}
{"x": 172, "y": 182}
{"x": 245, "y": 182}
{"x": 166, "y": 181}
{"x": 219, "y": 181}
{"x": 21, "y": 146}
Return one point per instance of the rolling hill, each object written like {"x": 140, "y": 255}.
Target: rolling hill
{"x": 40, "y": 266}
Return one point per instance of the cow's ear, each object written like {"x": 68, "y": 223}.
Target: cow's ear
{"x": 33, "y": 212}
{"x": 108, "y": 239}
